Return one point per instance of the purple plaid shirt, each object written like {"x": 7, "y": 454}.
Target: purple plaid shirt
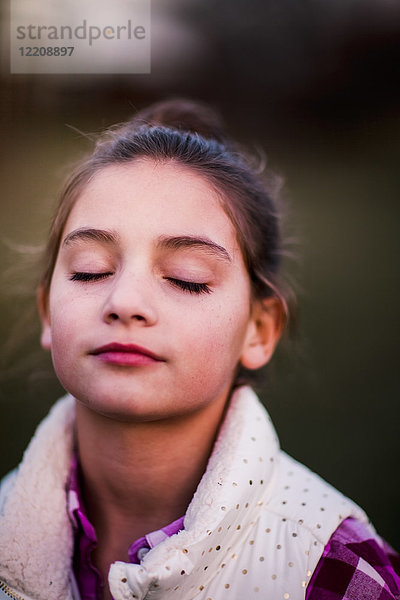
{"x": 355, "y": 564}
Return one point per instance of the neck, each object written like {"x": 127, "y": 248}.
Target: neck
{"x": 138, "y": 477}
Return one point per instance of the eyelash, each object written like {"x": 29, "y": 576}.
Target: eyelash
{"x": 89, "y": 276}
{"x": 190, "y": 286}
{"x": 187, "y": 286}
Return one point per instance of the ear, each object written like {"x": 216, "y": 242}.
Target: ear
{"x": 42, "y": 302}
{"x": 264, "y": 331}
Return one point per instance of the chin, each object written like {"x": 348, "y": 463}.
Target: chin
{"x": 125, "y": 410}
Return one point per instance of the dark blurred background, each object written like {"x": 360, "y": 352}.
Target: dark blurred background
{"x": 315, "y": 84}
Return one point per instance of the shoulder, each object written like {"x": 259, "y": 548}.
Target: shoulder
{"x": 299, "y": 515}
{"x": 356, "y": 563}
{"x": 302, "y": 496}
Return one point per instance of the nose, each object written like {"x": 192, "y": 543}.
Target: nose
{"x": 130, "y": 299}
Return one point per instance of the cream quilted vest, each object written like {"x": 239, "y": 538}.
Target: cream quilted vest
{"x": 255, "y": 529}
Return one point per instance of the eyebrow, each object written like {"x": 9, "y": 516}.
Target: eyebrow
{"x": 188, "y": 241}
{"x": 104, "y": 236}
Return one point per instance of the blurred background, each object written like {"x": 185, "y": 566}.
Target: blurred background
{"x": 315, "y": 84}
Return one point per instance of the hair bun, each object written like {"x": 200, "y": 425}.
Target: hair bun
{"x": 183, "y": 115}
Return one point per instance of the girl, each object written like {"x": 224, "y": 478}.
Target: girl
{"x": 159, "y": 475}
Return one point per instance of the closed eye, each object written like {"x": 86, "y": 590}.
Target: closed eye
{"x": 190, "y": 286}
{"x": 79, "y": 276}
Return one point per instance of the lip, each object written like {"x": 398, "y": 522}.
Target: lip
{"x": 126, "y": 355}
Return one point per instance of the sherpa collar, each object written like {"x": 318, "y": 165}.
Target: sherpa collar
{"x": 36, "y": 540}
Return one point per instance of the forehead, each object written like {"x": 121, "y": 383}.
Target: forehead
{"x": 153, "y": 199}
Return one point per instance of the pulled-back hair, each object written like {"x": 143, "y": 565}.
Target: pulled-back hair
{"x": 191, "y": 135}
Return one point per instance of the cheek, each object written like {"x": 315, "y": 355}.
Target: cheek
{"x": 62, "y": 343}
{"x": 67, "y": 325}
{"x": 216, "y": 337}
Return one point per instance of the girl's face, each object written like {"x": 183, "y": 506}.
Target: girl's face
{"x": 149, "y": 308}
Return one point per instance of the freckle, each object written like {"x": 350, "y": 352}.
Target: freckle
{"x": 274, "y": 577}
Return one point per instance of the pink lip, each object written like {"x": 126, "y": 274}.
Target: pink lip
{"x": 126, "y": 355}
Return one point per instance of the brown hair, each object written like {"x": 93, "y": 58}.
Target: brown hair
{"x": 192, "y": 135}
